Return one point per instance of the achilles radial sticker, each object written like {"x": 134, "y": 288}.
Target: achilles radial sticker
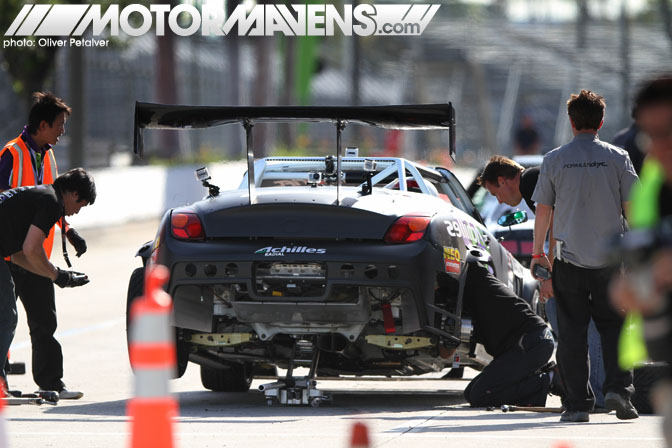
{"x": 451, "y": 258}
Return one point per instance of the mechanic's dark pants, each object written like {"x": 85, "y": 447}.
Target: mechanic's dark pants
{"x": 8, "y": 317}
{"x": 581, "y": 293}
{"x": 512, "y": 377}
{"x": 37, "y": 295}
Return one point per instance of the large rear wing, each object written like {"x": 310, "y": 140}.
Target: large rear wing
{"x": 414, "y": 117}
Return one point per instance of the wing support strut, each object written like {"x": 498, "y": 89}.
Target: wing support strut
{"x": 251, "y": 187}
{"x": 340, "y": 126}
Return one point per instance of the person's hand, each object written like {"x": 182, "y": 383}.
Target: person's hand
{"x": 546, "y": 291}
{"x": 70, "y": 279}
{"x": 77, "y": 241}
{"x": 543, "y": 260}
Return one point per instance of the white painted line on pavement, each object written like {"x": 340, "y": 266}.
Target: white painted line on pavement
{"x": 450, "y": 435}
{"x": 73, "y": 332}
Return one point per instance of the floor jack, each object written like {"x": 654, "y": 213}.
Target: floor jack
{"x": 38, "y": 398}
{"x": 295, "y": 390}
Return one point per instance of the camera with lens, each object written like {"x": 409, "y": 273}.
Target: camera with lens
{"x": 314, "y": 178}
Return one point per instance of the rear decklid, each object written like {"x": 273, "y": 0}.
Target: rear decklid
{"x": 292, "y": 220}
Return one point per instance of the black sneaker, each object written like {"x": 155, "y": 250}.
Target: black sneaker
{"x": 575, "y": 417}
{"x": 624, "y": 409}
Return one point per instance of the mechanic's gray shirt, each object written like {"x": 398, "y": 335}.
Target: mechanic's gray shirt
{"x": 586, "y": 181}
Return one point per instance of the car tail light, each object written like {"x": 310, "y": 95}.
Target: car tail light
{"x": 407, "y": 229}
{"x": 186, "y": 226}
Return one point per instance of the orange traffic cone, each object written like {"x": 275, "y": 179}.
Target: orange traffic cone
{"x": 3, "y": 432}
{"x": 360, "y": 436}
{"x": 152, "y": 354}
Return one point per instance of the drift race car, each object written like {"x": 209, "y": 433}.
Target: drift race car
{"x": 338, "y": 263}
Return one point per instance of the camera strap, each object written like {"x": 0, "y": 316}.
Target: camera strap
{"x": 65, "y": 250}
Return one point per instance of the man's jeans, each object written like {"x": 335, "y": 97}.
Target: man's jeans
{"x": 597, "y": 374}
{"x": 8, "y": 317}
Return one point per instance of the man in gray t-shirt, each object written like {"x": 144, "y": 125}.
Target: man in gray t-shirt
{"x": 587, "y": 183}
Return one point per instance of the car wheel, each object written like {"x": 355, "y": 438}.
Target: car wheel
{"x": 234, "y": 378}
{"x": 136, "y": 288}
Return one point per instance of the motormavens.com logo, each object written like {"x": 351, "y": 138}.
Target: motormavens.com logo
{"x": 74, "y": 21}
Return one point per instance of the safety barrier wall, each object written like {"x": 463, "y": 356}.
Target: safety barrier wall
{"x": 137, "y": 193}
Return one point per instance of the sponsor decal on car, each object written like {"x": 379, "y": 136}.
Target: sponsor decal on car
{"x": 467, "y": 231}
{"x": 451, "y": 259}
{"x": 270, "y": 251}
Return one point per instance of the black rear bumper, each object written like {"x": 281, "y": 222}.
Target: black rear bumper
{"x": 348, "y": 264}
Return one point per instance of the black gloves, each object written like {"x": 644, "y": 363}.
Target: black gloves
{"x": 77, "y": 241}
{"x": 70, "y": 279}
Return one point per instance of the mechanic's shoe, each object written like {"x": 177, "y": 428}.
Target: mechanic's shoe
{"x": 66, "y": 394}
{"x": 624, "y": 409}
{"x": 575, "y": 417}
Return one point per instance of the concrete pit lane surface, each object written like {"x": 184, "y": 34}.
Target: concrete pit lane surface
{"x": 423, "y": 412}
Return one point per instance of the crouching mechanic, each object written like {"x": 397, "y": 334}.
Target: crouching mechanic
{"x": 519, "y": 341}
{"x": 27, "y": 214}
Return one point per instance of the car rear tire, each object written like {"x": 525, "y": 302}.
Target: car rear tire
{"x": 235, "y": 378}
{"x": 136, "y": 288}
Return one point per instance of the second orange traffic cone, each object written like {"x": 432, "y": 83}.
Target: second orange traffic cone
{"x": 360, "y": 436}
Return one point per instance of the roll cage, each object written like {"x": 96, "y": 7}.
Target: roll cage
{"x": 394, "y": 172}
{"x": 391, "y": 173}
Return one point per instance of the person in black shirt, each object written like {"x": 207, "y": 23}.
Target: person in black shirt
{"x": 519, "y": 341}
{"x": 509, "y": 182}
{"x": 26, "y": 216}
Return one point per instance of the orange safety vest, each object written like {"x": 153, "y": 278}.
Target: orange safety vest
{"x": 23, "y": 174}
